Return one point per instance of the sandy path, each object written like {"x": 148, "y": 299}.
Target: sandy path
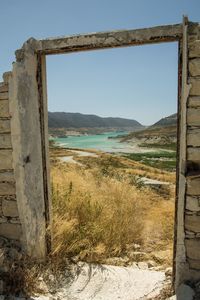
{"x": 103, "y": 282}
{"x": 70, "y": 158}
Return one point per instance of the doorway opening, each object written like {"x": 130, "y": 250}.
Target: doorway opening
{"x": 113, "y": 155}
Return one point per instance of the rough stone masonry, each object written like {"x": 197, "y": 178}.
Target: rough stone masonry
{"x": 10, "y": 226}
{"x": 25, "y": 206}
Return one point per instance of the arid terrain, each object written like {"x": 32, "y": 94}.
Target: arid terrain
{"x": 111, "y": 209}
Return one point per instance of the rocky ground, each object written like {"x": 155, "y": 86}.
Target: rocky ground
{"x": 106, "y": 282}
{"x": 76, "y": 280}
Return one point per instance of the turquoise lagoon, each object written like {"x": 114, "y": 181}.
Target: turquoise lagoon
{"x": 97, "y": 142}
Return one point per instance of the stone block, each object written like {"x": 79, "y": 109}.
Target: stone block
{"x": 15, "y": 220}
{"x": 193, "y": 31}
{"x": 15, "y": 254}
{"x": 194, "y": 67}
{"x": 3, "y": 87}
{"x": 10, "y": 231}
{"x": 194, "y": 264}
{"x": 7, "y": 197}
{"x": 5, "y": 159}
{"x": 195, "y": 86}
{"x": 194, "y": 102}
{"x": 192, "y": 203}
{"x": 189, "y": 234}
{"x": 185, "y": 292}
{"x": 4, "y": 96}
{"x": 192, "y": 223}
{"x": 7, "y": 188}
{"x": 193, "y": 154}
{"x": 9, "y": 208}
{"x": 4, "y": 108}
{"x": 5, "y": 141}
{"x": 192, "y": 248}
{"x": 4, "y": 126}
{"x": 193, "y": 137}
{"x": 193, "y": 168}
{"x": 7, "y": 176}
{"x": 194, "y": 49}
{"x": 193, "y": 186}
{"x": 3, "y": 220}
{"x": 6, "y": 76}
{"x": 193, "y": 116}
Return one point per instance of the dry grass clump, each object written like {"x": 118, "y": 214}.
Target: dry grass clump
{"x": 99, "y": 213}
{"x": 94, "y": 216}
{"x": 22, "y": 277}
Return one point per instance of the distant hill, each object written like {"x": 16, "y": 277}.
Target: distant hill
{"x": 78, "y": 120}
{"x": 167, "y": 121}
{"x": 162, "y": 134}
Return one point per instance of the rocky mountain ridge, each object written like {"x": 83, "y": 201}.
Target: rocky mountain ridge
{"x": 78, "y": 120}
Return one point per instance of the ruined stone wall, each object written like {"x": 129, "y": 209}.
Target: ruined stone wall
{"x": 24, "y": 161}
{"x": 192, "y": 208}
{"x": 10, "y": 226}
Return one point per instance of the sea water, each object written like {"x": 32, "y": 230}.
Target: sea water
{"x": 97, "y": 142}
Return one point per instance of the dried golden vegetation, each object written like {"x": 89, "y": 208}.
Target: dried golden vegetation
{"x": 101, "y": 209}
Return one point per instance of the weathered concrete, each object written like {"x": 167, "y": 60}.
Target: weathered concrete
{"x": 27, "y": 152}
{"x": 110, "y": 39}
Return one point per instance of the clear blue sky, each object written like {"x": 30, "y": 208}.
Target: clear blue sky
{"x": 135, "y": 82}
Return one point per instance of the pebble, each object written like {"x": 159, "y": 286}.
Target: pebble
{"x": 142, "y": 265}
{"x": 185, "y": 292}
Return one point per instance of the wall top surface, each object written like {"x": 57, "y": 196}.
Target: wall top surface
{"x": 102, "y": 40}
